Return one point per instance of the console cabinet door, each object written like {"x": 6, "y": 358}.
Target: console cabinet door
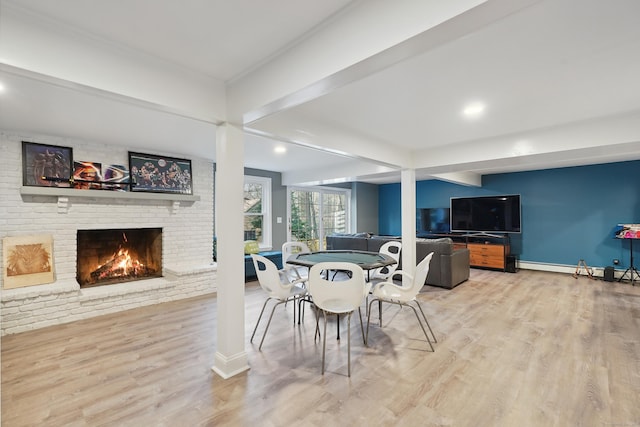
{"x": 487, "y": 255}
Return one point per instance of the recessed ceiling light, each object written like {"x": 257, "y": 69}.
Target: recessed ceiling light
{"x": 2, "y": 88}
{"x": 473, "y": 109}
{"x": 280, "y": 149}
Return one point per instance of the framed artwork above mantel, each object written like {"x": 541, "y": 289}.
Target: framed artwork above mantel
{"x": 160, "y": 174}
{"x": 46, "y": 165}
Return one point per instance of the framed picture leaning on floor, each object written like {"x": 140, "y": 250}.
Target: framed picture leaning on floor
{"x": 27, "y": 260}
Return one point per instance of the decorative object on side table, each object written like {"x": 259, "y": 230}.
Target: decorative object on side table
{"x": 46, "y": 165}
{"x": 150, "y": 172}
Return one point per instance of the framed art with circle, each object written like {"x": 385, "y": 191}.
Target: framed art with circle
{"x": 153, "y": 173}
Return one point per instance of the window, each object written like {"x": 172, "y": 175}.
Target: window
{"x": 315, "y": 213}
{"x": 257, "y": 210}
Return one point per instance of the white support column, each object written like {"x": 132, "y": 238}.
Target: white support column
{"x": 408, "y": 217}
{"x": 230, "y": 357}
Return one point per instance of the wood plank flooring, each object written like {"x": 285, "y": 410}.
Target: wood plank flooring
{"x": 525, "y": 349}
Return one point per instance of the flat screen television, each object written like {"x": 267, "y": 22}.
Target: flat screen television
{"x": 432, "y": 220}
{"x": 486, "y": 214}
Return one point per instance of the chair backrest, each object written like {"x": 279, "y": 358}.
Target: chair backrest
{"x": 290, "y": 248}
{"x": 269, "y": 277}
{"x": 422, "y": 269}
{"x": 391, "y": 248}
{"x": 340, "y": 296}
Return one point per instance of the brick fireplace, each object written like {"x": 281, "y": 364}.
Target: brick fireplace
{"x": 118, "y": 255}
{"x": 182, "y": 256}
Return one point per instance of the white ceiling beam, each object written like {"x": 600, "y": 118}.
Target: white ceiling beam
{"x": 308, "y": 133}
{"x": 463, "y": 178}
{"x": 614, "y": 138}
{"x": 361, "y": 41}
{"x": 345, "y": 171}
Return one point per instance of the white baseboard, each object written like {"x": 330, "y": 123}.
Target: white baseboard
{"x": 597, "y": 272}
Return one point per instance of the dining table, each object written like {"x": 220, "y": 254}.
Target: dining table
{"x": 366, "y": 260}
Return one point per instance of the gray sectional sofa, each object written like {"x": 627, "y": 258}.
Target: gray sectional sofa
{"x": 449, "y": 267}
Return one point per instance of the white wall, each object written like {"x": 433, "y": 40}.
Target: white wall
{"x": 187, "y": 239}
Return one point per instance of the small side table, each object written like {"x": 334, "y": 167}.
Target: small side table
{"x": 632, "y": 271}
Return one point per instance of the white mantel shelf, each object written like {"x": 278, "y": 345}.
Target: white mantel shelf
{"x": 64, "y": 194}
{"x": 104, "y": 194}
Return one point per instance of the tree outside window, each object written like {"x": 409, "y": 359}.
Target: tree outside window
{"x": 257, "y": 212}
{"x": 316, "y": 213}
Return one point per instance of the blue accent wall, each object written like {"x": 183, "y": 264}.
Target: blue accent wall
{"x": 568, "y": 214}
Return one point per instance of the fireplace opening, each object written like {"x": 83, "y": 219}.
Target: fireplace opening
{"x": 118, "y": 255}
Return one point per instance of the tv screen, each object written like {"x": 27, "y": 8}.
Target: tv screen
{"x": 488, "y": 214}
{"x": 432, "y": 220}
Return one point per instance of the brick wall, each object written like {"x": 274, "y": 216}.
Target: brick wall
{"x": 187, "y": 238}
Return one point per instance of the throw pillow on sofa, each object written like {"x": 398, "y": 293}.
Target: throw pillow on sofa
{"x": 251, "y": 247}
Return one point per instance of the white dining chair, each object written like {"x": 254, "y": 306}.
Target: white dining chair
{"x": 292, "y": 248}
{"x": 393, "y": 293}
{"x": 277, "y": 286}
{"x": 338, "y": 297}
{"x": 383, "y": 274}
{"x": 392, "y": 249}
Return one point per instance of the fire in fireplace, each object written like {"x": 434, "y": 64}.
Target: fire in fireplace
{"x": 118, "y": 255}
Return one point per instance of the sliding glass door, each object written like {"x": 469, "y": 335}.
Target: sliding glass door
{"x": 314, "y": 213}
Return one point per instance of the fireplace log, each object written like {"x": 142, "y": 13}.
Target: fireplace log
{"x": 108, "y": 266}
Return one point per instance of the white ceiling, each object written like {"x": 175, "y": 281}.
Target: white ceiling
{"x": 220, "y": 38}
{"x": 555, "y": 64}
{"x": 551, "y": 64}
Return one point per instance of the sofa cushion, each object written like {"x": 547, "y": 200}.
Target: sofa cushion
{"x": 251, "y": 247}
{"x": 443, "y": 245}
{"x": 346, "y": 242}
{"x": 375, "y": 243}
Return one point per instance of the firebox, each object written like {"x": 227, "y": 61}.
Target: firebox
{"x": 118, "y": 255}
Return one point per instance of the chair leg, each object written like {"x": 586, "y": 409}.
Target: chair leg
{"x": 324, "y": 340}
{"x": 269, "y": 322}
{"x": 427, "y": 322}
{"x": 421, "y": 326}
{"x": 294, "y": 310}
{"x": 349, "y": 343}
{"x": 302, "y": 310}
{"x": 366, "y": 303}
{"x": 364, "y": 340}
{"x": 417, "y": 317}
{"x": 259, "y": 318}
{"x": 317, "y": 332}
{"x": 366, "y": 336}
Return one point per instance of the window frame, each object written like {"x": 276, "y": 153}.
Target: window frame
{"x": 266, "y": 213}
{"x": 322, "y": 190}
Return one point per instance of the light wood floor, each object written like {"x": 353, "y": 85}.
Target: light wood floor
{"x": 525, "y": 349}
